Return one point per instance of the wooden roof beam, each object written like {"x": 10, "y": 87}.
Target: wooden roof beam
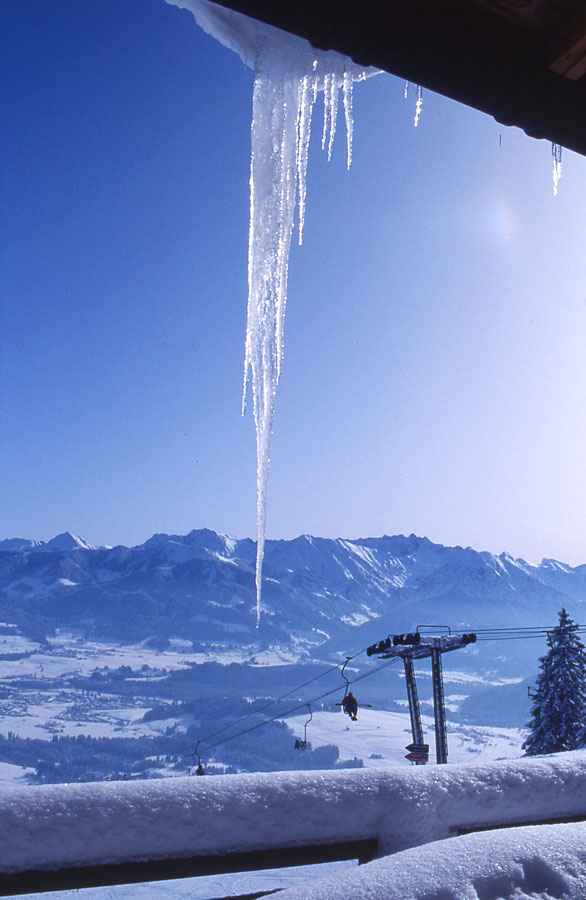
{"x": 457, "y": 48}
{"x": 567, "y": 53}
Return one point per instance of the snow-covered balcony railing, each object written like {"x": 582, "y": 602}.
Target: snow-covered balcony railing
{"x": 90, "y": 834}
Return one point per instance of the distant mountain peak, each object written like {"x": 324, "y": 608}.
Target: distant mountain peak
{"x": 198, "y": 538}
{"x": 64, "y": 542}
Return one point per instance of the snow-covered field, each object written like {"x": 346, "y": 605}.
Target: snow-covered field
{"x": 11, "y": 774}
{"x": 543, "y": 862}
{"x": 62, "y": 715}
{"x": 72, "y": 655}
{"x": 42, "y": 692}
{"x": 379, "y": 738}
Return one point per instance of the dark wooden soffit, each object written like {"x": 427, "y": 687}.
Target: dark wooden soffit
{"x": 521, "y": 61}
{"x": 80, "y": 877}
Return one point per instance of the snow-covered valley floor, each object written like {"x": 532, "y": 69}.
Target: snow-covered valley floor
{"x": 67, "y": 687}
{"x": 380, "y": 737}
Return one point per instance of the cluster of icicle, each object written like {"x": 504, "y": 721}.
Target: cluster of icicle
{"x": 289, "y": 75}
{"x": 286, "y": 87}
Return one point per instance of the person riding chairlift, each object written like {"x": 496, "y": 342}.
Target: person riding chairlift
{"x": 350, "y": 706}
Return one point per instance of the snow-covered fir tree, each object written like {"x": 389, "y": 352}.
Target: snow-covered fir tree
{"x": 558, "y": 714}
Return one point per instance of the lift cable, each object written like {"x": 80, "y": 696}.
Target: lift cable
{"x": 299, "y": 706}
{"x": 293, "y": 690}
{"x": 255, "y": 712}
{"x": 293, "y": 709}
{"x": 504, "y": 634}
{"x": 525, "y": 629}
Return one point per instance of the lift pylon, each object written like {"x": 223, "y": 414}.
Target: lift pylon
{"x": 439, "y": 705}
{"x": 414, "y": 710}
{"x": 416, "y": 645}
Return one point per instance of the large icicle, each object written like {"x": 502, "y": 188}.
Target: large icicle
{"x": 279, "y": 105}
{"x": 285, "y": 88}
{"x": 289, "y": 73}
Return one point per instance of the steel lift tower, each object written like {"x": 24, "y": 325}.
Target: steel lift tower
{"x": 418, "y": 645}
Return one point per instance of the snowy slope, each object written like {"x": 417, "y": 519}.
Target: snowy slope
{"x": 380, "y": 738}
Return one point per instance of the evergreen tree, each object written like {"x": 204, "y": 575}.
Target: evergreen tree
{"x": 558, "y": 714}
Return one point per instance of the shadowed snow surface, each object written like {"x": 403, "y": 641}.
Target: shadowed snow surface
{"x": 542, "y": 862}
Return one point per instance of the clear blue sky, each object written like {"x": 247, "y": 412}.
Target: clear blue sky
{"x": 434, "y": 344}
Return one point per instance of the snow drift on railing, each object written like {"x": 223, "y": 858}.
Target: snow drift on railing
{"x": 56, "y": 826}
{"x": 544, "y": 862}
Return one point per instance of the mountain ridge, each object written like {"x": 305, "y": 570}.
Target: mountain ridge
{"x": 402, "y": 543}
{"x": 316, "y": 591}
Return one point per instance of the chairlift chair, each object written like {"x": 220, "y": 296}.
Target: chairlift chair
{"x": 350, "y": 709}
{"x": 199, "y": 769}
{"x": 302, "y": 744}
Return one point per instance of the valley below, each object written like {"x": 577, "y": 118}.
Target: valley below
{"x": 76, "y": 710}
{"x": 123, "y": 663}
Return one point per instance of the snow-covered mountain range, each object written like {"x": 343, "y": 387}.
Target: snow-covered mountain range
{"x": 317, "y": 592}
{"x": 111, "y": 642}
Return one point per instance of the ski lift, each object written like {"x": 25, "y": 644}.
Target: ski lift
{"x": 199, "y": 769}
{"x": 349, "y": 703}
{"x": 302, "y": 745}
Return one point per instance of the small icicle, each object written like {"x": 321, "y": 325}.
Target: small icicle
{"x": 333, "y": 103}
{"x": 556, "y": 156}
{"x": 308, "y": 95}
{"x": 328, "y": 78}
{"x": 347, "y": 85}
{"x": 418, "y": 106}
{"x": 406, "y": 91}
